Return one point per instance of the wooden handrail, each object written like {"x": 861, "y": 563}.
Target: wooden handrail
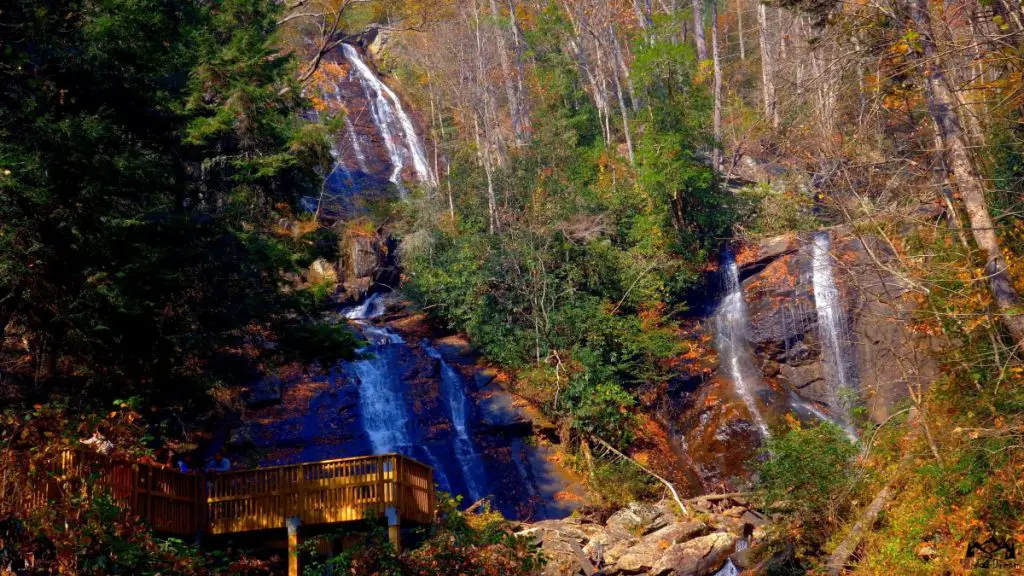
{"x": 325, "y": 492}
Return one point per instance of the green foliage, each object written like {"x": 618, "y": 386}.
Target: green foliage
{"x": 590, "y": 256}
{"x": 805, "y": 475}
{"x": 671, "y": 168}
{"x": 621, "y": 483}
{"x": 85, "y": 533}
{"x": 146, "y": 148}
{"x": 374, "y": 554}
{"x": 458, "y": 544}
{"x": 765, "y": 209}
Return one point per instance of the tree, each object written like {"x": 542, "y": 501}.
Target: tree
{"x": 698, "y": 30}
{"x": 716, "y": 161}
{"x": 768, "y": 88}
{"x": 155, "y": 149}
{"x": 943, "y": 107}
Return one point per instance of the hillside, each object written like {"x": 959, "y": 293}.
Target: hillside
{"x": 676, "y": 287}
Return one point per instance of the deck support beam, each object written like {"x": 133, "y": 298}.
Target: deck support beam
{"x": 292, "y": 524}
{"x": 394, "y": 527}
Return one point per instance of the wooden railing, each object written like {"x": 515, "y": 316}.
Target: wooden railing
{"x": 327, "y": 492}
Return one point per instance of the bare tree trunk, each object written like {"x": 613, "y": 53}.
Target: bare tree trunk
{"x": 837, "y": 562}
{"x": 739, "y": 24}
{"x": 492, "y": 201}
{"x": 717, "y": 155}
{"x": 506, "y": 76}
{"x": 518, "y": 45}
{"x": 771, "y": 105}
{"x": 482, "y": 117}
{"x": 622, "y": 103}
{"x": 605, "y": 96}
{"x": 643, "y": 14}
{"x": 698, "y": 29}
{"x": 941, "y": 105}
{"x": 624, "y": 70}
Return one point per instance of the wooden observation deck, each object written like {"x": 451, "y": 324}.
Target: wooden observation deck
{"x": 369, "y": 488}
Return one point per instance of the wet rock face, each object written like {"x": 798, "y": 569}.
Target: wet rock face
{"x": 368, "y": 264}
{"x": 717, "y": 435}
{"x": 784, "y": 325}
{"x": 337, "y": 412}
{"x": 379, "y": 147}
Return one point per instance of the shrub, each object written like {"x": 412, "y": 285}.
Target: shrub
{"x": 806, "y": 476}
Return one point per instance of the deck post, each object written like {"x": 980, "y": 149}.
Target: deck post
{"x": 292, "y": 524}
{"x": 394, "y": 527}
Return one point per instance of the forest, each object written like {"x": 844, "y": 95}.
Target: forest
{"x": 673, "y": 287}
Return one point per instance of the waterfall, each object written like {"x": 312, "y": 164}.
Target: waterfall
{"x": 372, "y": 307}
{"x": 381, "y": 404}
{"x": 357, "y": 148}
{"x": 469, "y": 460}
{"x": 382, "y": 407}
{"x": 832, "y": 330}
{"x": 728, "y": 570}
{"x": 392, "y": 122}
{"x": 733, "y": 349}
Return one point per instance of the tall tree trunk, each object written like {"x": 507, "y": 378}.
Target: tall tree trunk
{"x": 739, "y": 24}
{"x": 622, "y": 101}
{"x": 624, "y": 70}
{"x": 643, "y": 13}
{"x": 605, "y": 95}
{"x": 698, "y": 29}
{"x": 492, "y": 200}
{"x": 519, "y": 46}
{"x": 771, "y": 105}
{"x": 717, "y": 155}
{"x": 941, "y": 105}
{"x": 506, "y": 76}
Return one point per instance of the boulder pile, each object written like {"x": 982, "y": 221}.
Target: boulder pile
{"x": 715, "y": 535}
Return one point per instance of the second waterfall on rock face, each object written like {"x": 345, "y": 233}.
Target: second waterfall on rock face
{"x": 833, "y": 331}
{"x": 472, "y": 465}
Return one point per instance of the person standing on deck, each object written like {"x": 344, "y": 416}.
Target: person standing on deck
{"x": 218, "y": 464}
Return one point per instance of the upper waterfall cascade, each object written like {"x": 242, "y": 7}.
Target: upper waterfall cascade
{"x": 395, "y": 126}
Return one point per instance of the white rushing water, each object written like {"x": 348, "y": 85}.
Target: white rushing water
{"x": 733, "y": 349}
{"x": 832, "y": 330}
{"x": 357, "y": 148}
{"x": 372, "y": 307}
{"x": 381, "y": 404}
{"x": 465, "y": 452}
{"x": 382, "y": 407}
{"x": 728, "y": 570}
{"x": 395, "y": 126}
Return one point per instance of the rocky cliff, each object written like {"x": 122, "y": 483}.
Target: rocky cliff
{"x": 851, "y": 356}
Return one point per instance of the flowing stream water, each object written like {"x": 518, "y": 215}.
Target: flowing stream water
{"x": 386, "y": 413}
{"x": 383, "y": 409}
{"x": 472, "y": 465}
{"x": 833, "y": 332}
{"x": 394, "y": 125}
{"x": 733, "y": 347}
